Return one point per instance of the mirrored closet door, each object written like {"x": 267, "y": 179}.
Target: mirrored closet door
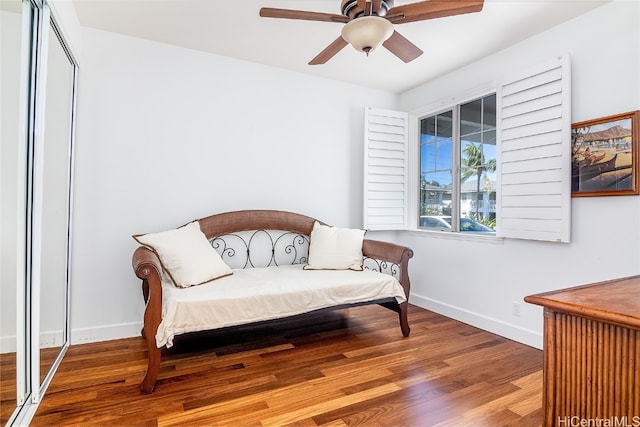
{"x": 52, "y": 203}
{"x": 39, "y": 75}
{"x": 16, "y": 31}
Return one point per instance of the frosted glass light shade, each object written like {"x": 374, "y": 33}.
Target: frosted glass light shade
{"x": 367, "y": 33}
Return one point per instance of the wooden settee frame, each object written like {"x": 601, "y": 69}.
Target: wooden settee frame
{"x": 147, "y": 267}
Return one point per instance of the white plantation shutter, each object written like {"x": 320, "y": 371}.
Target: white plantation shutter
{"x": 534, "y": 149}
{"x": 385, "y": 170}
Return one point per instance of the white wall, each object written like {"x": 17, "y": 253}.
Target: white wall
{"x": 166, "y": 135}
{"x": 10, "y": 30}
{"x": 477, "y": 282}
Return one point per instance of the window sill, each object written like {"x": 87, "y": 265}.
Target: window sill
{"x": 479, "y": 238}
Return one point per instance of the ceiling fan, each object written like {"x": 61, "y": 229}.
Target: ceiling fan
{"x": 369, "y": 23}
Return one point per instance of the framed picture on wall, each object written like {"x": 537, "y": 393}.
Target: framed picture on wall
{"x": 604, "y": 156}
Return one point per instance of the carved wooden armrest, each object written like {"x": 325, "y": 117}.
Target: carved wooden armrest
{"x": 393, "y": 253}
{"x": 146, "y": 264}
{"x": 143, "y": 260}
{"x": 398, "y": 256}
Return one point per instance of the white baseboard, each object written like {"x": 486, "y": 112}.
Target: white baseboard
{"x": 78, "y": 336}
{"x": 498, "y": 327}
{"x": 105, "y": 333}
{"x": 51, "y": 339}
{"x": 48, "y": 339}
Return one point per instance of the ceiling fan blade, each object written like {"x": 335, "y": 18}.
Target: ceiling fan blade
{"x": 402, "y": 48}
{"x": 432, "y": 9}
{"x": 329, "y": 51}
{"x": 270, "y": 12}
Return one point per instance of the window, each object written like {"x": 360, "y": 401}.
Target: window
{"x": 457, "y": 168}
{"x": 498, "y": 164}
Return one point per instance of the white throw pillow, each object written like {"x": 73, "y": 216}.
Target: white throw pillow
{"x": 186, "y": 255}
{"x": 333, "y": 248}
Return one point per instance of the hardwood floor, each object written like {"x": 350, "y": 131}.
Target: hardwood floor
{"x": 8, "y": 386}
{"x": 8, "y": 380}
{"x": 339, "y": 368}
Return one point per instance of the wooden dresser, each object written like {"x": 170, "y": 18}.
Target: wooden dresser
{"x": 592, "y": 353}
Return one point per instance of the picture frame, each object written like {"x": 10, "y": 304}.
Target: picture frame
{"x": 604, "y": 156}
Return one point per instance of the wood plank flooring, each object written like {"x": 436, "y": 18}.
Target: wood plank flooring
{"x": 8, "y": 380}
{"x": 8, "y": 386}
{"x": 339, "y": 368}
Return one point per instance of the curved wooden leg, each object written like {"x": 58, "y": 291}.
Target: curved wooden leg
{"x": 152, "y": 317}
{"x": 153, "y": 367}
{"x": 404, "y": 320}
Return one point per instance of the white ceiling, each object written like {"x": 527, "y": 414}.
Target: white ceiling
{"x": 233, "y": 28}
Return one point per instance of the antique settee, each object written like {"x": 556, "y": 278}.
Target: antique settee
{"x": 265, "y": 265}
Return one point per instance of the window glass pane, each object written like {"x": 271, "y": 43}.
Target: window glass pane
{"x": 489, "y": 151}
{"x": 489, "y": 112}
{"x": 444, "y": 125}
{"x": 444, "y": 154}
{"x": 477, "y": 166}
{"x": 472, "y": 137}
{"x": 428, "y": 128}
{"x": 489, "y": 137}
{"x": 435, "y": 196}
{"x": 427, "y": 157}
{"x": 436, "y": 166}
{"x": 471, "y": 117}
{"x": 470, "y": 225}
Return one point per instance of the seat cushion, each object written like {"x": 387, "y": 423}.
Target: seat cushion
{"x": 257, "y": 294}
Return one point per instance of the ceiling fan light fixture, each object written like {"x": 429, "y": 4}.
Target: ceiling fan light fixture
{"x": 367, "y": 33}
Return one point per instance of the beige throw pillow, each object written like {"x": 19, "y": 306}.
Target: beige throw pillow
{"x": 333, "y": 248}
{"x": 186, "y": 255}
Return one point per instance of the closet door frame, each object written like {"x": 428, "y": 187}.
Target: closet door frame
{"x": 38, "y": 24}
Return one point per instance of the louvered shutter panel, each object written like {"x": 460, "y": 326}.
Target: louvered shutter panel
{"x": 385, "y": 170}
{"x": 534, "y": 149}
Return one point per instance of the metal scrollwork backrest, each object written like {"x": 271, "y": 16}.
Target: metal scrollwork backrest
{"x": 265, "y": 248}
{"x": 390, "y": 268}
{"x": 262, "y": 248}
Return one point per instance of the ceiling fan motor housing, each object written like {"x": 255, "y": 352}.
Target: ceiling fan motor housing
{"x": 350, "y": 8}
